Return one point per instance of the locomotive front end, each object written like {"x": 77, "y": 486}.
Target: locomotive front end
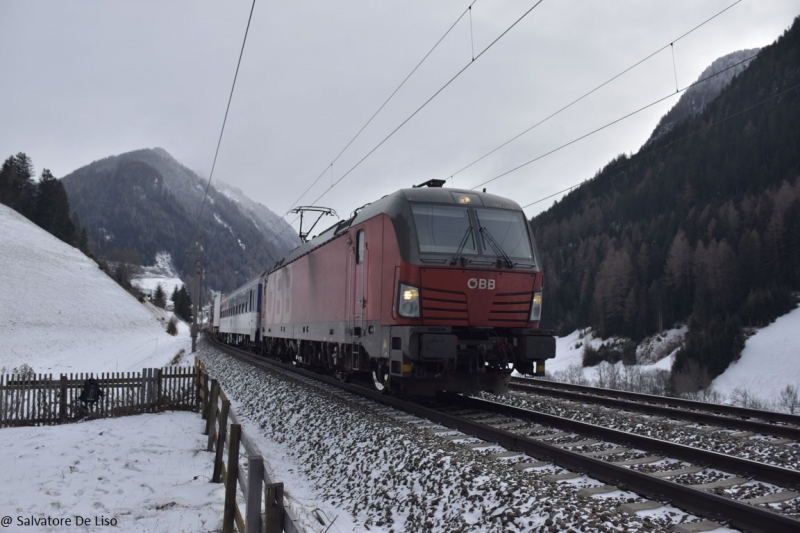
{"x": 468, "y": 294}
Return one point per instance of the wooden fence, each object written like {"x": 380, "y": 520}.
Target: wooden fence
{"x": 251, "y": 475}
{"x": 35, "y": 400}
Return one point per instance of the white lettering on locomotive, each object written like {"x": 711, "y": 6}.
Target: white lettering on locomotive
{"x": 278, "y": 304}
{"x": 481, "y": 283}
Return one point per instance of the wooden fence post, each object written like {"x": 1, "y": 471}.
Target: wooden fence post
{"x": 198, "y": 396}
{"x": 223, "y": 434}
{"x": 159, "y": 391}
{"x": 206, "y": 393}
{"x": 2, "y": 400}
{"x": 273, "y": 508}
{"x": 212, "y": 408}
{"x": 255, "y": 480}
{"x": 62, "y": 400}
{"x": 149, "y": 390}
{"x": 231, "y": 479}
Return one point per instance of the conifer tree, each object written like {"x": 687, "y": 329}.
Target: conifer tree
{"x": 183, "y": 304}
{"x": 159, "y": 298}
{"x": 16, "y": 184}
{"x": 51, "y": 211}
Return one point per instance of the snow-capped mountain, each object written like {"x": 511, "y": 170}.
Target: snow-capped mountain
{"x": 698, "y": 96}
{"x": 146, "y": 202}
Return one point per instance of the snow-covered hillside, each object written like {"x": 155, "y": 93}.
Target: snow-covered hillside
{"x": 60, "y": 313}
{"x": 769, "y": 363}
{"x": 161, "y": 273}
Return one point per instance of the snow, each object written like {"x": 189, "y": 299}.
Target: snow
{"x": 220, "y": 221}
{"x": 569, "y": 351}
{"x": 146, "y": 473}
{"x": 60, "y": 313}
{"x": 162, "y": 273}
{"x": 770, "y": 361}
{"x": 654, "y": 353}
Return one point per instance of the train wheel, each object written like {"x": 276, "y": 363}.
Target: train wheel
{"x": 381, "y": 379}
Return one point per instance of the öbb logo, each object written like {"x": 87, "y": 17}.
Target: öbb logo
{"x": 481, "y": 283}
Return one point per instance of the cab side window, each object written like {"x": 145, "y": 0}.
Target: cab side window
{"x": 360, "y": 246}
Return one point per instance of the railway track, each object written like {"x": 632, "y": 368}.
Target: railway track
{"x": 622, "y": 461}
{"x": 749, "y": 420}
{"x": 640, "y": 464}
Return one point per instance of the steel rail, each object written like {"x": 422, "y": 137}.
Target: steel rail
{"x": 724, "y": 510}
{"x": 741, "y": 412}
{"x": 706, "y": 417}
{"x": 709, "y": 505}
{"x": 785, "y": 477}
{"x": 712, "y": 506}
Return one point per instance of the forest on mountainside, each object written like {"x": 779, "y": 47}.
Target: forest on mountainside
{"x": 143, "y": 202}
{"x": 701, "y": 226}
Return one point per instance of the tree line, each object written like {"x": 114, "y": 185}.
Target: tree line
{"x": 181, "y": 301}
{"x": 701, "y": 227}
{"x": 44, "y": 202}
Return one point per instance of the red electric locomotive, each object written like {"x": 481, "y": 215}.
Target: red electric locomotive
{"x": 426, "y": 289}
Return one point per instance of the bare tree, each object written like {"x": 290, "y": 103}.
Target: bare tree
{"x": 788, "y": 400}
{"x": 691, "y": 379}
{"x": 614, "y": 281}
{"x": 743, "y": 397}
{"x": 608, "y": 376}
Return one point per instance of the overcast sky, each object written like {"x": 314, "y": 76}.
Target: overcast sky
{"x": 82, "y": 80}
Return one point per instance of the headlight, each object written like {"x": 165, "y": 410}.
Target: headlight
{"x": 536, "y": 307}
{"x": 408, "y": 303}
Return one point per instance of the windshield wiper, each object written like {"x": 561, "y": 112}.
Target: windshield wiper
{"x": 496, "y": 247}
{"x": 456, "y": 257}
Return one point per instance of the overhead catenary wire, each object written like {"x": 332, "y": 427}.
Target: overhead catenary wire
{"x": 402, "y": 83}
{"x": 609, "y": 124}
{"x": 561, "y": 110}
{"x": 225, "y": 120}
{"x": 675, "y": 141}
{"x": 439, "y": 91}
{"x": 517, "y": 21}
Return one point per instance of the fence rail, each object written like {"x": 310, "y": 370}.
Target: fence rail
{"x": 250, "y": 476}
{"x": 35, "y": 400}
{"x": 44, "y": 399}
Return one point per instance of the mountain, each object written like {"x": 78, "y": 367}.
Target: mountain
{"x": 700, "y": 227}
{"x": 707, "y": 87}
{"x": 140, "y": 203}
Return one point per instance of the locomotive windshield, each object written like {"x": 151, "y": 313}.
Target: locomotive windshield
{"x": 453, "y": 230}
{"x": 441, "y": 228}
{"x": 508, "y": 230}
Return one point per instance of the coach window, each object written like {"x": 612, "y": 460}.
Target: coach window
{"x": 360, "y": 246}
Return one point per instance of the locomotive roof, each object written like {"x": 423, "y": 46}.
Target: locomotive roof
{"x": 390, "y": 204}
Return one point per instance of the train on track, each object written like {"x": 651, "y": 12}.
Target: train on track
{"x": 427, "y": 289}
